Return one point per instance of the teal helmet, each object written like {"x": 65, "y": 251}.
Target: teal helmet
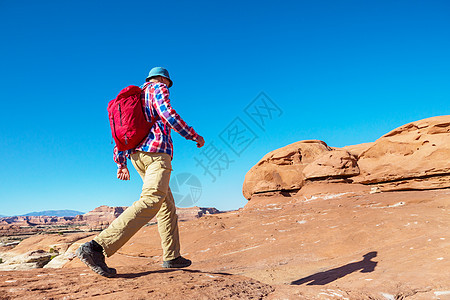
{"x": 158, "y": 71}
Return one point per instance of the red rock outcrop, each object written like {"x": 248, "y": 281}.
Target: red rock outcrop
{"x": 413, "y": 156}
{"x": 288, "y": 168}
{"x": 282, "y": 169}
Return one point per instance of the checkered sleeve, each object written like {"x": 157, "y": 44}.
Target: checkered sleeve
{"x": 120, "y": 158}
{"x": 169, "y": 115}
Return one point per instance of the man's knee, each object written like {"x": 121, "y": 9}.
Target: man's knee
{"x": 151, "y": 197}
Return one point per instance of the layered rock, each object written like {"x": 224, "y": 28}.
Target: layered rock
{"x": 101, "y": 213}
{"x": 337, "y": 163}
{"x": 100, "y": 217}
{"x": 413, "y": 156}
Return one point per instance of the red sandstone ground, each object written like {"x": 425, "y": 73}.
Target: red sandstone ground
{"x": 308, "y": 246}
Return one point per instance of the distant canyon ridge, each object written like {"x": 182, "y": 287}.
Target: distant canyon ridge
{"x": 97, "y": 219}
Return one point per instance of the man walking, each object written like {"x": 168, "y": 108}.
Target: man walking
{"x": 152, "y": 160}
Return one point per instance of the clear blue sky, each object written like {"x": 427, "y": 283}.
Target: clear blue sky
{"x": 344, "y": 72}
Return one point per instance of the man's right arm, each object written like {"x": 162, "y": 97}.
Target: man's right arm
{"x": 170, "y": 116}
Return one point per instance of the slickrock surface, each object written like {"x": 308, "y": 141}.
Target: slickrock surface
{"x": 324, "y": 241}
{"x": 136, "y": 282}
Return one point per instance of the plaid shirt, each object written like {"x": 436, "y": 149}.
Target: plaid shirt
{"x": 157, "y": 104}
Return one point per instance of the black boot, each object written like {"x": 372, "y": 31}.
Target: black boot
{"x": 91, "y": 253}
{"x": 179, "y": 262}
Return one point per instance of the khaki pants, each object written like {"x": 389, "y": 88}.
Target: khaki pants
{"x": 156, "y": 199}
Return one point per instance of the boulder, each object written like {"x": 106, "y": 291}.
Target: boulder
{"x": 282, "y": 169}
{"x": 288, "y": 168}
{"x": 30, "y": 260}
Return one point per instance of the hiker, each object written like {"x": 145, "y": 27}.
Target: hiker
{"x": 152, "y": 160}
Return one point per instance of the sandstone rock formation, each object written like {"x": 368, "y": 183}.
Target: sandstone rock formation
{"x": 413, "y": 156}
{"x": 282, "y": 169}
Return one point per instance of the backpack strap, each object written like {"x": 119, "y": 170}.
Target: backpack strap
{"x": 153, "y": 120}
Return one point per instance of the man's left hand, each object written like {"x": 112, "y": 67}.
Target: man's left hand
{"x": 123, "y": 173}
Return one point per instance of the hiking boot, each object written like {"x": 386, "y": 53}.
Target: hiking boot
{"x": 179, "y": 262}
{"x": 95, "y": 260}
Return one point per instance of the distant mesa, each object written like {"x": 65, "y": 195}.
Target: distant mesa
{"x": 56, "y": 213}
{"x": 415, "y": 156}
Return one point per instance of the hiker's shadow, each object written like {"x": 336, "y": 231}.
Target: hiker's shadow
{"x": 322, "y": 278}
{"x": 140, "y": 274}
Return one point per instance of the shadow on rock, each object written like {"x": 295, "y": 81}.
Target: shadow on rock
{"x": 140, "y": 274}
{"x": 322, "y": 278}
{"x": 211, "y": 273}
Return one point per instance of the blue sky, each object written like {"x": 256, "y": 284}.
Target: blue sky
{"x": 344, "y": 72}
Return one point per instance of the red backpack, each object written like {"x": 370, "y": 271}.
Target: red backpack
{"x": 129, "y": 126}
